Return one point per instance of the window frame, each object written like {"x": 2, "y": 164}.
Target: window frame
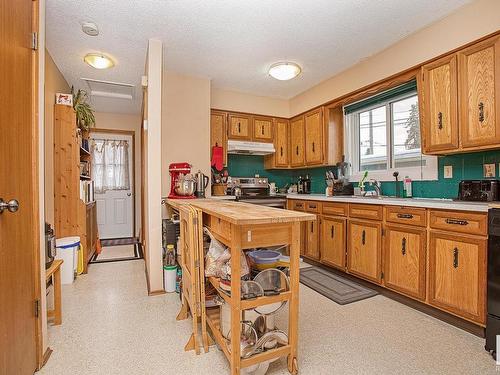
{"x": 352, "y": 149}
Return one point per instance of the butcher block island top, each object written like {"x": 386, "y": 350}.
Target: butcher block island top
{"x": 240, "y": 213}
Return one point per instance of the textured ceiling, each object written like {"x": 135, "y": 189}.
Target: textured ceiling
{"x": 232, "y": 42}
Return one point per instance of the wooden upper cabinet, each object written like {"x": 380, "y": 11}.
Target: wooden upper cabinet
{"x": 439, "y": 117}
{"x": 281, "y": 143}
{"x": 364, "y": 257}
{"x": 263, "y": 129}
{"x": 405, "y": 260}
{"x": 313, "y": 123}
{"x": 479, "y": 92}
{"x": 218, "y": 132}
{"x": 297, "y": 141}
{"x": 457, "y": 275}
{"x": 333, "y": 241}
{"x": 240, "y": 127}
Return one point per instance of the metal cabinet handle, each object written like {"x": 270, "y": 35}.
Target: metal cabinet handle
{"x": 440, "y": 120}
{"x": 281, "y": 150}
{"x": 312, "y": 206}
{"x": 11, "y": 206}
{"x": 481, "y": 111}
{"x": 455, "y": 257}
{"x": 262, "y": 129}
{"x": 239, "y": 127}
{"x": 403, "y": 246}
{"x": 297, "y": 150}
{"x": 405, "y": 216}
{"x": 332, "y": 231}
{"x": 456, "y": 222}
{"x": 312, "y": 227}
{"x": 313, "y": 147}
{"x": 363, "y": 237}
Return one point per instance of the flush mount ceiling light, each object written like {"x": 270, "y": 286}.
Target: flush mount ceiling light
{"x": 284, "y": 71}
{"x": 98, "y": 61}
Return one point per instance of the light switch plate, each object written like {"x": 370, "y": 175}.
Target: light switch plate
{"x": 489, "y": 170}
{"x": 448, "y": 171}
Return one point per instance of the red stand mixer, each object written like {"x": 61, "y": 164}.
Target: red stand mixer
{"x": 182, "y": 182}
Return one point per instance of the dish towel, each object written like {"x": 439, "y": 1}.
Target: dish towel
{"x": 217, "y": 158}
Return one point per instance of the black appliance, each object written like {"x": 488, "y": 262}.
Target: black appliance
{"x": 255, "y": 190}
{"x": 493, "y": 285}
{"x": 479, "y": 190}
{"x": 50, "y": 245}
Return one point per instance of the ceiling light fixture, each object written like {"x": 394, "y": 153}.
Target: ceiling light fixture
{"x": 284, "y": 71}
{"x": 98, "y": 61}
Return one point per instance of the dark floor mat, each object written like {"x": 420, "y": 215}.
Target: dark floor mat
{"x": 333, "y": 286}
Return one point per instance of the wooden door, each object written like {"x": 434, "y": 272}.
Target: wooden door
{"x": 333, "y": 241}
{"x": 297, "y": 141}
{"x": 457, "y": 275}
{"x": 312, "y": 239}
{"x": 240, "y": 127}
{"x": 364, "y": 249}
{"x": 19, "y": 230}
{"x": 218, "y": 132}
{"x": 404, "y": 260}
{"x": 313, "y": 123}
{"x": 263, "y": 129}
{"x": 281, "y": 143}
{"x": 479, "y": 93}
{"x": 439, "y": 119}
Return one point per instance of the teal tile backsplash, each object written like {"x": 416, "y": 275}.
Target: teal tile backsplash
{"x": 465, "y": 166}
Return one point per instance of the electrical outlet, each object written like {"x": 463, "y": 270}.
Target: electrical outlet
{"x": 448, "y": 171}
{"x": 489, "y": 170}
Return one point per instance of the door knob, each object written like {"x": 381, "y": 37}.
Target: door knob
{"x": 12, "y": 205}
{"x": 129, "y": 194}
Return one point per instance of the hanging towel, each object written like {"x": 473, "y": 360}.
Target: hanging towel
{"x": 217, "y": 157}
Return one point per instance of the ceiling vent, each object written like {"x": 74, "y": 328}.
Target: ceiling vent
{"x": 109, "y": 89}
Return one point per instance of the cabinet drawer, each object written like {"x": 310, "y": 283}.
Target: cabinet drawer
{"x": 335, "y": 209}
{"x": 220, "y": 227}
{"x": 406, "y": 215}
{"x": 298, "y": 205}
{"x": 462, "y": 222}
{"x": 313, "y": 207}
{"x": 365, "y": 211}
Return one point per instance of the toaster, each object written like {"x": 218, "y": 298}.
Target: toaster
{"x": 478, "y": 190}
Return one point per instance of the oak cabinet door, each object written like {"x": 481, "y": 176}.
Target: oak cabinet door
{"x": 297, "y": 141}
{"x": 405, "y": 260}
{"x": 281, "y": 143}
{"x": 457, "y": 275}
{"x": 364, "y": 249}
{"x": 218, "y": 132}
{"x": 312, "y": 239}
{"x": 479, "y": 91}
{"x": 263, "y": 129}
{"x": 313, "y": 122}
{"x": 333, "y": 241}
{"x": 439, "y": 119}
{"x": 240, "y": 127}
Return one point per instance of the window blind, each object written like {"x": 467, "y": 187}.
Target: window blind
{"x": 405, "y": 88}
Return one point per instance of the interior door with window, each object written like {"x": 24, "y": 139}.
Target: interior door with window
{"x": 19, "y": 209}
{"x": 112, "y": 173}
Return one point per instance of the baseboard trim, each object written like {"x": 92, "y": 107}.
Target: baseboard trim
{"x": 157, "y": 293}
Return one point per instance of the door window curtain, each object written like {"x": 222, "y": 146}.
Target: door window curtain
{"x": 110, "y": 165}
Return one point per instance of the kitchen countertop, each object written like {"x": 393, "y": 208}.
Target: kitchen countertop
{"x": 438, "y": 203}
{"x": 240, "y": 213}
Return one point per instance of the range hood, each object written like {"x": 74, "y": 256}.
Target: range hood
{"x": 249, "y": 148}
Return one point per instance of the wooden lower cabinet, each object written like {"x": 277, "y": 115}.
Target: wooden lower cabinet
{"x": 333, "y": 241}
{"x": 457, "y": 275}
{"x": 364, "y": 255}
{"x": 312, "y": 239}
{"x": 405, "y": 259}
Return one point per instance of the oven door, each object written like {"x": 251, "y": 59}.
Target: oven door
{"x": 268, "y": 202}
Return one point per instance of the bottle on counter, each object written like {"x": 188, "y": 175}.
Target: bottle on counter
{"x": 407, "y": 187}
{"x": 300, "y": 186}
{"x": 307, "y": 185}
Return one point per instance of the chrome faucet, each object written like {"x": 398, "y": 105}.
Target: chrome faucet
{"x": 377, "y": 185}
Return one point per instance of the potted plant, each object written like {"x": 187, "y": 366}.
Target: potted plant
{"x": 84, "y": 113}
